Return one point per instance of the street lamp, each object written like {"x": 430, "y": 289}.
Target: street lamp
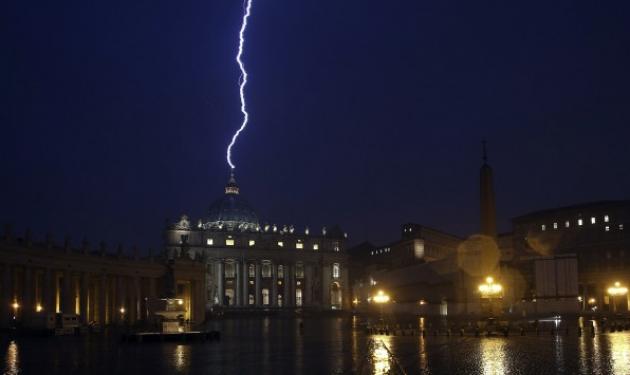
{"x": 617, "y": 290}
{"x": 15, "y": 306}
{"x": 490, "y": 290}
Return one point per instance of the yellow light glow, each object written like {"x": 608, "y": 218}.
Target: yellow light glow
{"x": 15, "y": 305}
{"x": 38, "y": 308}
{"x": 591, "y": 301}
{"x": 422, "y": 302}
{"x": 490, "y": 288}
{"x": 180, "y": 301}
{"x": 355, "y": 301}
{"x": 380, "y": 297}
{"x": 617, "y": 290}
{"x": 122, "y": 310}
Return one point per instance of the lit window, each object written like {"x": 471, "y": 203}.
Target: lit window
{"x": 607, "y": 228}
{"x": 336, "y": 246}
{"x": 620, "y": 226}
{"x": 372, "y": 252}
{"x": 580, "y": 221}
{"x": 298, "y": 297}
{"x": 280, "y": 243}
{"x": 250, "y": 300}
{"x": 252, "y": 242}
{"x": 251, "y": 270}
{"x": 209, "y": 242}
{"x": 410, "y": 229}
{"x": 299, "y": 245}
{"x": 543, "y": 227}
{"x": 593, "y": 220}
{"x": 555, "y": 225}
{"x": 335, "y": 270}
{"x": 229, "y": 242}
{"x": 265, "y": 296}
{"x": 316, "y": 247}
{"x": 567, "y": 224}
{"x": 606, "y": 218}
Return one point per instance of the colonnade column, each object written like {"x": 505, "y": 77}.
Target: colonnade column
{"x": 102, "y": 296}
{"x": 67, "y": 300}
{"x": 274, "y": 285}
{"x": 258, "y": 298}
{"x": 83, "y": 297}
{"x": 308, "y": 285}
{"x": 7, "y": 296}
{"x": 27, "y": 303}
{"x": 220, "y": 282}
{"x": 49, "y": 291}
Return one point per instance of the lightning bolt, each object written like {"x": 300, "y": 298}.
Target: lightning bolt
{"x": 242, "y": 80}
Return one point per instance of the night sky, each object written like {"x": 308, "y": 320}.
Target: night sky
{"x": 116, "y": 114}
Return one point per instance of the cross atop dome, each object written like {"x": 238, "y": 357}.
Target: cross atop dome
{"x": 231, "y": 187}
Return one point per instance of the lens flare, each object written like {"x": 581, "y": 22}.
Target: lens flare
{"x": 242, "y": 80}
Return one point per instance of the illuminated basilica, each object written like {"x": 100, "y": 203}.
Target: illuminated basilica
{"x": 255, "y": 266}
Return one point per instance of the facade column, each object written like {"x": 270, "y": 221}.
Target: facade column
{"x": 220, "y": 282}
{"x": 258, "y": 297}
{"x": 286, "y": 297}
{"x": 307, "y": 290}
{"x": 292, "y": 284}
{"x": 238, "y": 289}
{"x": 245, "y": 282}
{"x": 274, "y": 285}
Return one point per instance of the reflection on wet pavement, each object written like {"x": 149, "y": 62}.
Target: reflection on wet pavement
{"x": 327, "y": 345}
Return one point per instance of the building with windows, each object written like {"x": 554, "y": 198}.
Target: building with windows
{"x": 596, "y": 233}
{"x": 254, "y": 265}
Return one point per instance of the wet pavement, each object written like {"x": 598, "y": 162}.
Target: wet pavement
{"x": 324, "y": 346}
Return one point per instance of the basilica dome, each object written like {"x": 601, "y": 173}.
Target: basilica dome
{"x": 231, "y": 212}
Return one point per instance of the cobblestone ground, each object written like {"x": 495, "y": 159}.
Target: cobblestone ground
{"x": 323, "y": 346}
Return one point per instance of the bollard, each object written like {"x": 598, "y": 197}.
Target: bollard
{"x": 579, "y": 332}
{"x": 461, "y": 332}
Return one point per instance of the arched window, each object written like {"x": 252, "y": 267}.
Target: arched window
{"x": 298, "y": 297}
{"x": 299, "y": 270}
{"x": 335, "y": 270}
{"x": 266, "y": 269}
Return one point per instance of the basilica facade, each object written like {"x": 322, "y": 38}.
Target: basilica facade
{"x": 257, "y": 266}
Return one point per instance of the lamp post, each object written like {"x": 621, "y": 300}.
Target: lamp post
{"x": 617, "y": 290}
{"x": 490, "y": 290}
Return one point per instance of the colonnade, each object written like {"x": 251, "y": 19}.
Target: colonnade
{"x": 102, "y": 298}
